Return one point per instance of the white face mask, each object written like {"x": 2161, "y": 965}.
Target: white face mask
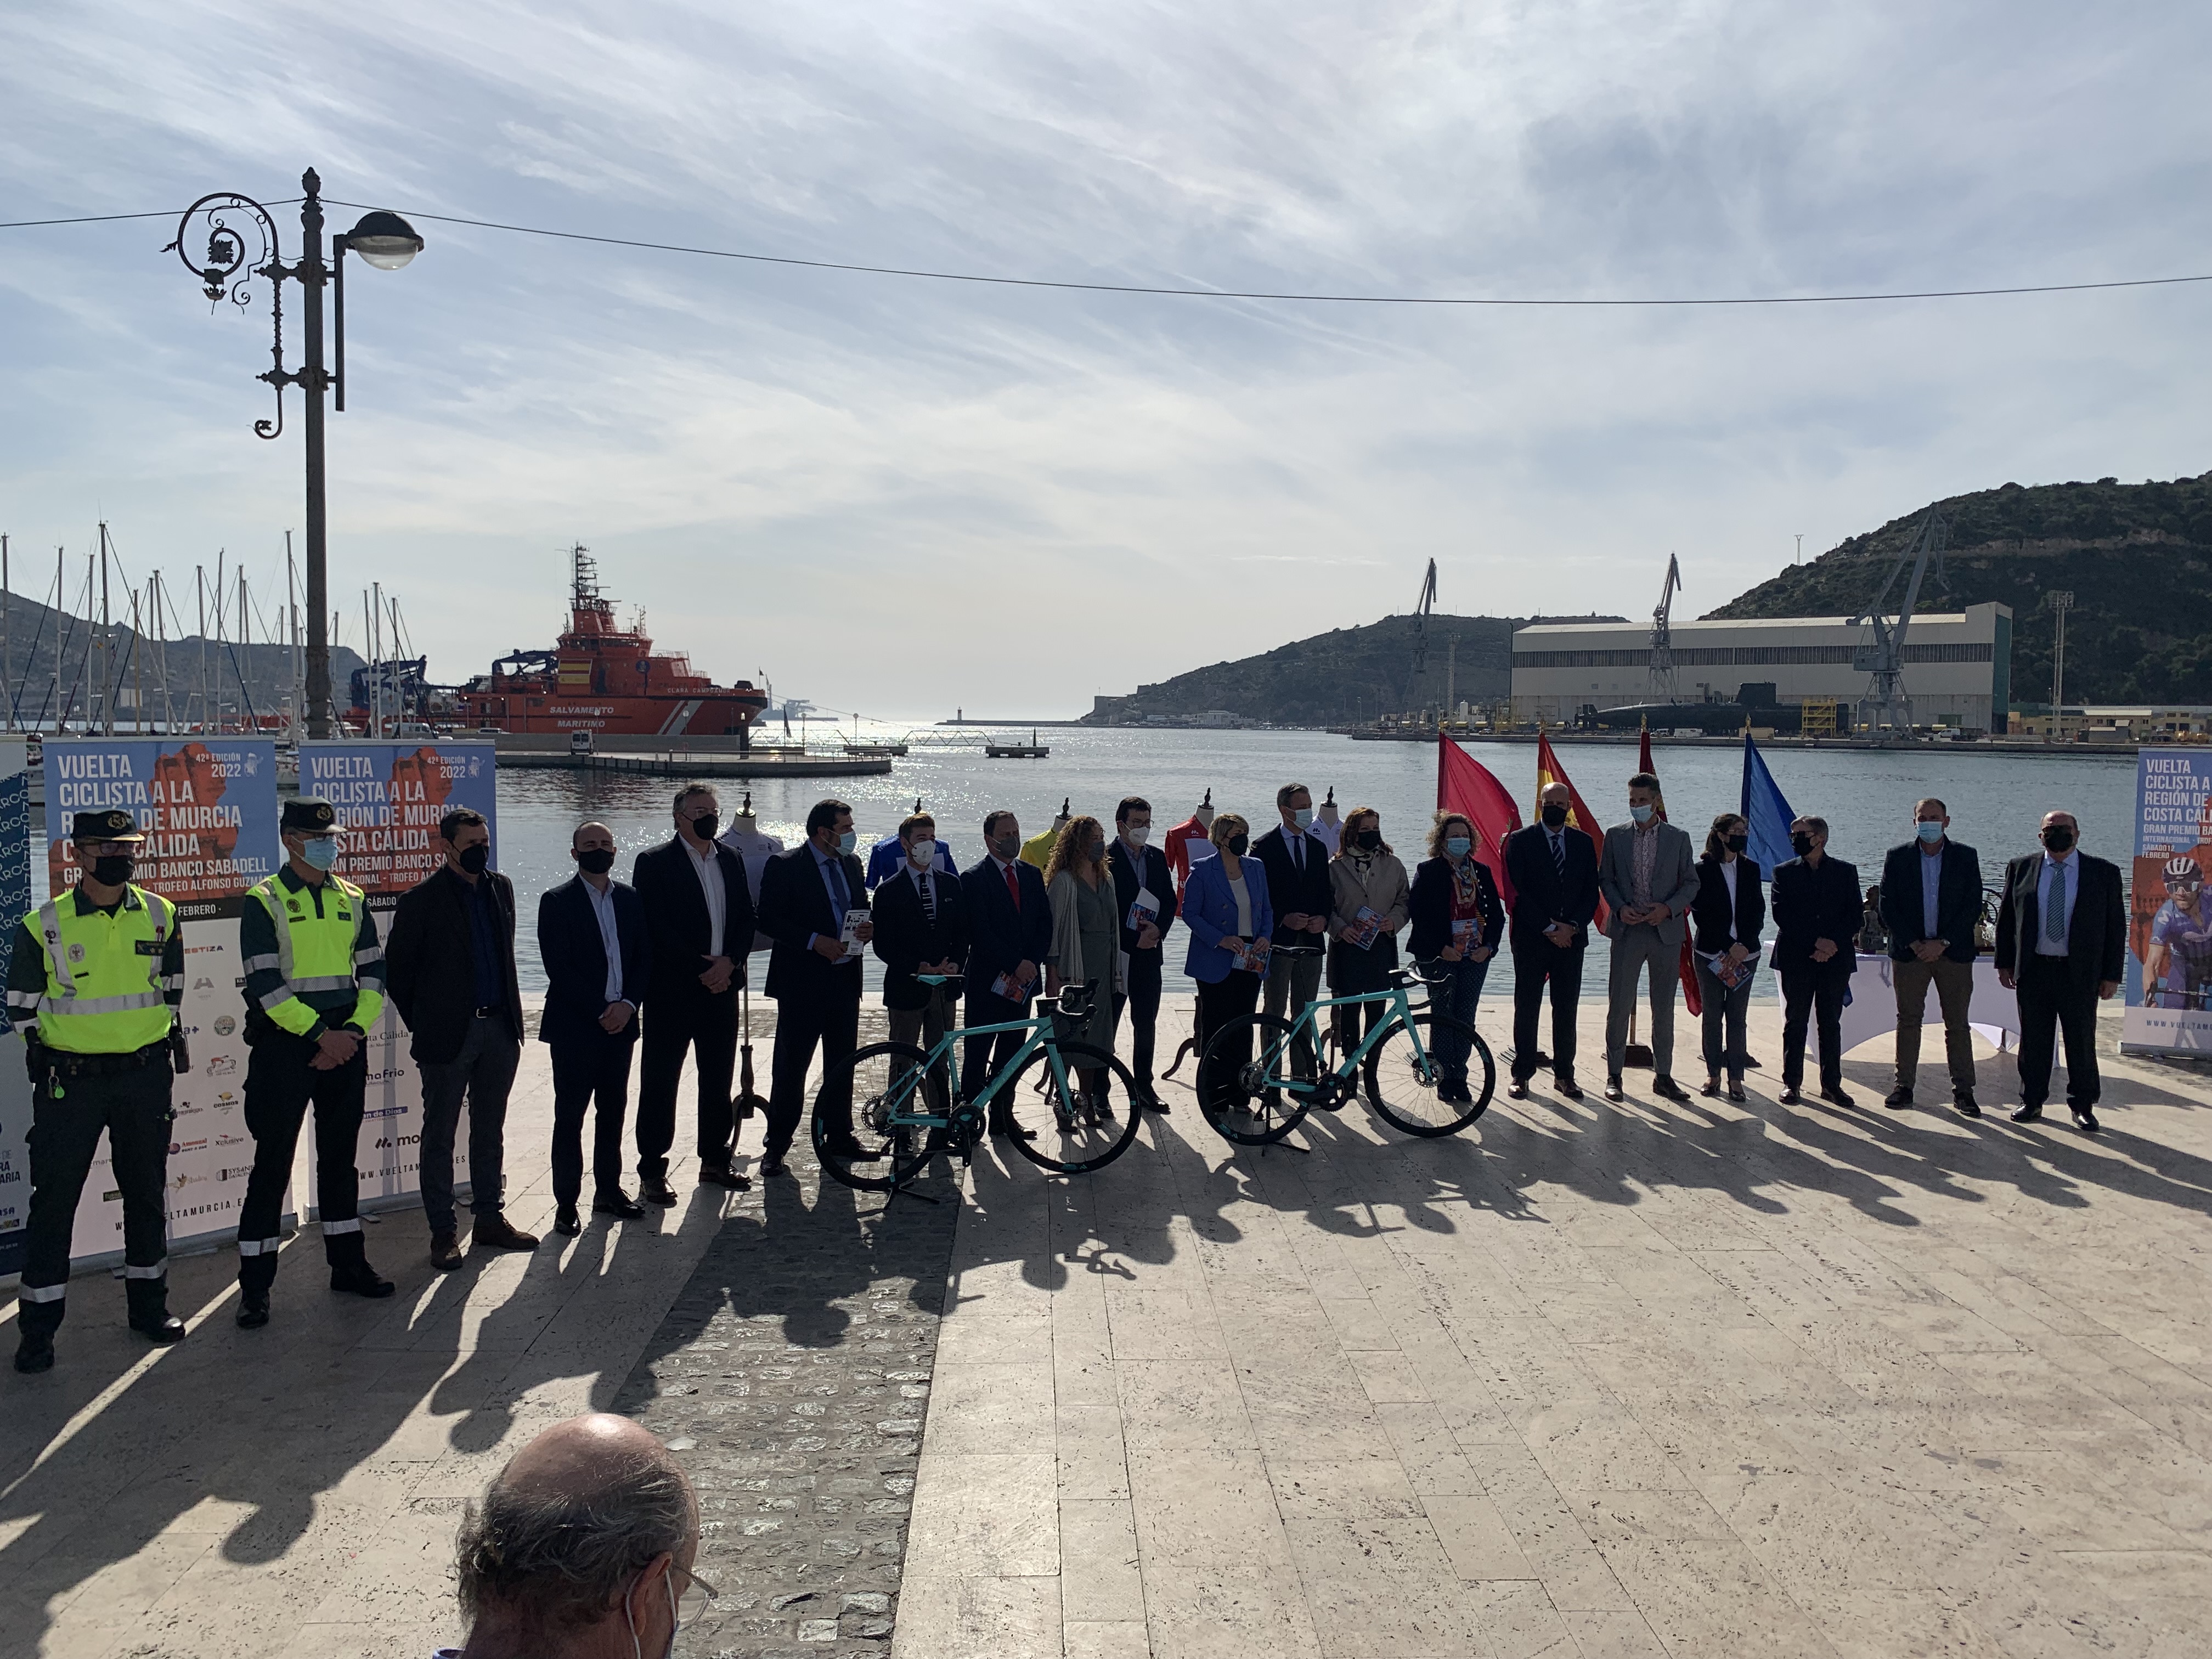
{"x": 1136, "y": 834}
{"x": 675, "y": 1621}
{"x": 1302, "y": 816}
{"x": 921, "y": 854}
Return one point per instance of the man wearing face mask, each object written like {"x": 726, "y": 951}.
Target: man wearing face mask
{"x": 699, "y": 917}
{"x": 1649, "y": 875}
{"x": 1009, "y": 939}
{"x": 1931, "y": 903}
{"x": 1297, "y": 863}
{"x": 1816, "y": 917}
{"x": 93, "y": 985}
{"x": 1144, "y": 896}
{"x": 451, "y": 957}
{"x": 314, "y": 989}
{"x": 592, "y": 939}
{"x": 922, "y": 927}
{"x": 1553, "y": 870}
{"x": 2061, "y": 942}
{"x": 814, "y": 904}
{"x": 581, "y": 1548}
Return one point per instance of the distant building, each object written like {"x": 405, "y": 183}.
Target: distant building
{"x": 1957, "y": 667}
{"x": 2136, "y": 723}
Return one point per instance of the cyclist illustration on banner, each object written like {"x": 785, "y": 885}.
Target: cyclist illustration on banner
{"x": 2169, "y": 985}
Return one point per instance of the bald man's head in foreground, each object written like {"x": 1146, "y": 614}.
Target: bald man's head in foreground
{"x": 581, "y": 1548}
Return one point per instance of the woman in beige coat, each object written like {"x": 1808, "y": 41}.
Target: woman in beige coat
{"x": 1086, "y": 935}
{"x": 1369, "y": 898}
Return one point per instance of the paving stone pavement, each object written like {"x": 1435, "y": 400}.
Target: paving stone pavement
{"x": 1589, "y": 1380}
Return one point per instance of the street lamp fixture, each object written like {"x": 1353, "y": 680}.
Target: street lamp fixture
{"x": 241, "y": 243}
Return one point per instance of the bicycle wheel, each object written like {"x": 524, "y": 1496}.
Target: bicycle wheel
{"x": 886, "y": 1082}
{"x": 1403, "y": 1086}
{"x": 1240, "y": 1059}
{"x": 1068, "y": 1140}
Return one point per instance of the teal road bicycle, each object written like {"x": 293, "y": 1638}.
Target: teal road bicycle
{"x": 908, "y": 1106}
{"x": 1256, "y": 1082}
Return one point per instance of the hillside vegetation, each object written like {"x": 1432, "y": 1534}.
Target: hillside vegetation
{"x": 2137, "y": 558}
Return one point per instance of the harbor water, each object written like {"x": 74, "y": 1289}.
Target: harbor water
{"x": 1867, "y": 796}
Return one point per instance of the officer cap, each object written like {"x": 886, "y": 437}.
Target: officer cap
{"x": 111, "y": 825}
{"x": 316, "y": 818}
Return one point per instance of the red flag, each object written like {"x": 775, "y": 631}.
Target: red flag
{"x": 1693, "y": 998}
{"x": 1466, "y": 785}
{"x": 1579, "y": 817}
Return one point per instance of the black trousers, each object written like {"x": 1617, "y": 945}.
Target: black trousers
{"x": 831, "y": 1022}
{"x": 1537, "y": 963}
{"x": 133, "y": 1107}
{"x": 1142, "y": 1002}
{"x": 280, "y": 1086}
{"x": 981, "y": 1057}
{"x": 1227, "y": 998}
{"x": 2052, "y": 1002}
{"x": 1814, "y": 990}
{"x": 705, "y": 1027}
{"x": 590, "y": 1072}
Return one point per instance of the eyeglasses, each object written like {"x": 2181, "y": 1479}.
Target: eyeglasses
{"x": 697, "y": 1598}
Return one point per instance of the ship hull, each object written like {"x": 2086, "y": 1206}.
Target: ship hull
{"x": 709, "y": 714}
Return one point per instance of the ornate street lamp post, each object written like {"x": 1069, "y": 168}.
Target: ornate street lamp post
{"x": 242, "y": 244}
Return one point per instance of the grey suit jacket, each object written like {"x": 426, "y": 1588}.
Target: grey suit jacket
{"x": 1674, "y": 879}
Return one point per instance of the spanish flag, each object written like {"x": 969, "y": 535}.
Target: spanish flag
{"x": 1579, "y": 817}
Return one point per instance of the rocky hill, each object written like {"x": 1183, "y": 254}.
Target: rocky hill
{"x": 1344, "y": 676}
{"x": 2137, "y": 558}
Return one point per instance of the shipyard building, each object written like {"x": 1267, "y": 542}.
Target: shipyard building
{"x": 1956, "y": 668}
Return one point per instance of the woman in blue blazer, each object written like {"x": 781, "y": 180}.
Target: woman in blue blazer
{"x": 1225, "y": 904}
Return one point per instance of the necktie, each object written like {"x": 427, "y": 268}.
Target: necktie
{"x": 929, "y": 900}
{"x": 1013, "y": 889}
{"x": 1298, "y": 851}
{"x": 839, "y": 896}
{"x": 2054, "y": 917}
{"x": 1559, "y": 852}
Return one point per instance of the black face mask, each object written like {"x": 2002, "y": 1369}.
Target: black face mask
{"x": 596, "y": 862}
{"x": 1554, "y": 817}
{"x": 1737, "y": 843}
{"x": 1802, "y": 843}
{"x": 474, "y": 859}
{"x": 114, "y": 870}
{"x": 1238, "y": 844}
{"x": 1008, "y": 847}
{"x": 704, "y": 825}
{"x": 1368, "y": 840}
{"x": 2058, "y": 838}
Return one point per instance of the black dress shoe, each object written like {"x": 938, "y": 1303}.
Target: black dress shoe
{"x": 361, "y": 1280}
{"x": 1517, "y": 1089}
{"x": 566, "y": 1222}
{"x": 772, "y": 1167}
{"x": 1789, "y": 1096}
{"x": 496, "y": 1232}
{"x": 164, "y": 1330}
{"x": 1614, "y": 1092}
{"x": 1899, "y": 1097}
{"x": 1963, "y": 1099}
{"x": 654, "y": 1190}
{"x": 1567, "y": 1086}
{"x": 618, "y": 1202}
{"x": 1710, "y": 1089}
{"x": 252, "y": 1309}
{"x": 34, "y": 1352}
{"x": 1007, "y": 1128}
{"x": 2085, "y": 1120}
{"x": 1153, "y": 1103}
{"x": 1836, "y": 1096}
{"x": 445, "y": 1253}
{"x": 1666, "y": 1089}
{"x": 716, "y": 1174}
{"x": 2028, "y": 1114}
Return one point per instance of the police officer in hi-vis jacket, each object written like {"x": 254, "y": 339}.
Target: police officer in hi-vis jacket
{"x": 93, "y": 985}
{"x": 314, "y": 986}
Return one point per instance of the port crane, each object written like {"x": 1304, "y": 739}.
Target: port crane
{"x": 1882, "y": 658}
{"x": 1423, "y": 608}
{"x": 1662, "y": 641}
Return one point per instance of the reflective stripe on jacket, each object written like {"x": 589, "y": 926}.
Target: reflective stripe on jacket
{"x": 311, "y": 954}
{"x": 107, "y": 992}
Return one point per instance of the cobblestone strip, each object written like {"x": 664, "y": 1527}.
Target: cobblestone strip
{"x": 792, "y": 1376}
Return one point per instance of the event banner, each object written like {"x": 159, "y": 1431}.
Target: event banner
{"x": 2170, "y": 914}
{"x": 14, "y": 1086}
{"x": 208, "y": 806}
{"x": 390, "y": 797}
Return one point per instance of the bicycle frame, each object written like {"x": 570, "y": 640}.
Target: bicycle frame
{"x": 946, "y": 1049}
{"x": 1348, "y": 1067}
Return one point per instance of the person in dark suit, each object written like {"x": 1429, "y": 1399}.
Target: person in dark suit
{"x": 1140, "y": 870}
{"x": 2061, "y": 942}
{"x": 699, "y": 918}
{"x": 1725, "y": 920}
{"x": 922, "y": 927}
{"x": 1009, "y": 939}
{"x": 1458, "y": 925}
{"x": 814, "y": 899}
{"x": 1553, "y": 870}
{"x": 1300, "y": 888}
{"x": 450, "y": 965}
{"x": 1931, "y": 903}
{"x": 1816, "y": 918}
{"x": 590, "y": 937}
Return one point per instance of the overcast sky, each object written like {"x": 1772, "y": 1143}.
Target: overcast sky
{"x": 904, "y": 496}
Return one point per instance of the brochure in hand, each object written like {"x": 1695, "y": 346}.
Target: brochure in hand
{"x": 1733, "y": 974}
{"x": 1143, "y": 911}
{"x": 1366, "y": 926}
{"x": 850, "y": 937}
{"x": 1007, "y": 988}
